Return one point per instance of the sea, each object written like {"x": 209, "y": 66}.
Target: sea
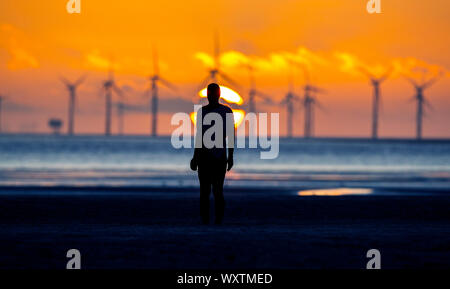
{"x": 147, "y": 164}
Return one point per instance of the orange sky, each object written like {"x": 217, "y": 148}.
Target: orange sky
{"x": 39, "y": 41}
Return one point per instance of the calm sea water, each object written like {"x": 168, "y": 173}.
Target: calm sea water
{"x": 138, "y": 161}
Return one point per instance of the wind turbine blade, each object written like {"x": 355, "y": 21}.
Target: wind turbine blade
{"x": 428, "y": 104}
{"x": 203, "y": 84}
{"x": 317, "y": 89}
{"x": 386, "y": 75}
{"x": 216, "y": 50}
{"x": 155, "y": 62}
{"x": 118, "y": 91}
{"x": 412, "y": 81}
{"x": 320, "y": 105}
{"x": 64, "y": 80}
{"x": 229, "y": 80}
{"x": 366, "y": 72}
{"x": 431, "y": 81}
{"x": 297, "y": 98}
{"x": 80, "y": 80}
{"x": 267, "y": 98}
{"x": 168, "y": 84}
{"x": 412, "y": 99}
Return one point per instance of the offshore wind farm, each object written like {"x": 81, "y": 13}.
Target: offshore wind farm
{"x": 299, "y": 99}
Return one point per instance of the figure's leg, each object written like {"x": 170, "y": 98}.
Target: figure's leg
{"x": 219, "y": 200}
{"x": 205, "y": 190}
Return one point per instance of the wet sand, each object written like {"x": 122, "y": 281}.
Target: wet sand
{"x": 261, "y": 230}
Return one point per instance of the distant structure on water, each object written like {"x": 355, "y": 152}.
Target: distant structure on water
{"x": 55, "y": 125}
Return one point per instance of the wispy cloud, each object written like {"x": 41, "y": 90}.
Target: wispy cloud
{"x": 14, "y": 42}
{"x": 101, "y": 61}
{"x": 95, "y": 60}
{"x": 398, "y": 67}
{"x": 273, "y": 63}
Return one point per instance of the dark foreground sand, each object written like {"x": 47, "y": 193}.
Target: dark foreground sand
{"x": 261, "y": 230}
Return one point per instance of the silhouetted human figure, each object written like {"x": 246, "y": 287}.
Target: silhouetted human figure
{"x": 212, "y": 161}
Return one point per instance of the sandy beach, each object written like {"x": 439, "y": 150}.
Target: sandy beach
{"x": 261, "y": 230}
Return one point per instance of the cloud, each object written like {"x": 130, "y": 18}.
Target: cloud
{"x": 398, "y": 67}
{"x": 15, "y": 43}
{"x": 273, "y": 63}
{"x": 416, "y": 68}
{"x": 351, "y": 64}
{"x": 95, "y": 60}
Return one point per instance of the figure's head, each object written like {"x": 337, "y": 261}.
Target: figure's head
{"x": 213, "y": 93}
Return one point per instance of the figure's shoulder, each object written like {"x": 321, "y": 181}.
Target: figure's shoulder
{"x": 226, "y": 108}
{"x": 206, "y": 107}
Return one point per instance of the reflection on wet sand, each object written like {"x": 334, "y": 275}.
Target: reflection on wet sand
{"x": 336, "y": 192}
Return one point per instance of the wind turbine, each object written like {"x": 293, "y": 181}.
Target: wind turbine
{"x": 376, "y": 82}
{"x": 421, "y": 100}
{"x": 109, "y": 86}
{"x": 72, "y": 88}
{"x": 154, "y": 80}
{"x": 255, "y": 93}
{"x": 215, "y": 71}
{"x": 289, "y": 100}
{"x": 309, "y": 103}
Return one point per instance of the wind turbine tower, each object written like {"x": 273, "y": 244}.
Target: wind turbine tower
{"x": 72, "y": 88}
